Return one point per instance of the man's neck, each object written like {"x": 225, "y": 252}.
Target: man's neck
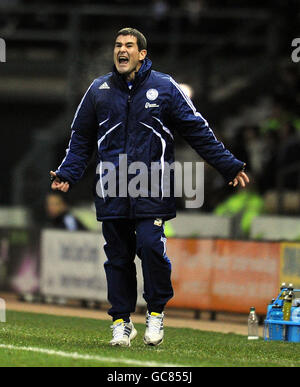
{"x": 131, "y": 77}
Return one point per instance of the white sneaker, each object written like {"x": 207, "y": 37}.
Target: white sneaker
{"x": 154, "y": 329}
{"x": 123, "y": 333}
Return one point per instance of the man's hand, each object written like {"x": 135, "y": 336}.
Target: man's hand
{"x": 57, "y": 184}
{"x": 241, "y": 178}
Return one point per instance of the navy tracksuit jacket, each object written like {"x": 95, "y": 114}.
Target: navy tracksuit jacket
{"x": 139, "y": 122}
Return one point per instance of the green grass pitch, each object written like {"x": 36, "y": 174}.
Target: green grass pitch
{"x": 29, "y": 339}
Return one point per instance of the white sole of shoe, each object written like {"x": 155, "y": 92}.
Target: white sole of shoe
{"x": 153, "y": 344}
{"x": 120, "y": 344}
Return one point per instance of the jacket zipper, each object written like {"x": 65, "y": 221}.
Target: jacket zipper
{"x": 131, "y": 201}
{"x": 127, "y": 120}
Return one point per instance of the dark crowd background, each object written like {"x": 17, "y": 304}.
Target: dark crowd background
{"x": 236, "y": 58}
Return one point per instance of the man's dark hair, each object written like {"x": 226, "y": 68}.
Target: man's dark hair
{"x": 141, "y": 40}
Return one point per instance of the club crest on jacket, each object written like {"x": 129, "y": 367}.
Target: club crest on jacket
{"x": 152, "y": 94}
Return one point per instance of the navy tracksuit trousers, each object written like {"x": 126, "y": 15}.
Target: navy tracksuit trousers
{"x": 124, "y": 240}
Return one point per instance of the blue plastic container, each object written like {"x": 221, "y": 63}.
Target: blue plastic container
{"x": 293, "y": 334}
{"x": 276, "y": 331}
{"x": 279, "y": 330}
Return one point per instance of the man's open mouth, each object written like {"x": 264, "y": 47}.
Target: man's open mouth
{"x": 123, "y": 60}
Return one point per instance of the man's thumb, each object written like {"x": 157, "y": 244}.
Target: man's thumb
{"x": 53, "y": 176}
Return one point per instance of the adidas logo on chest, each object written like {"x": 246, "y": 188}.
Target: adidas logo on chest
{"x": 104, "y": 86}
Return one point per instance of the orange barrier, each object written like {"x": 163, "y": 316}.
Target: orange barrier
{"x": 213, "y": 275}
{"x": 192, "y": 262}
{"x": 224, "y": 275}
{"x": 245, "y": 274}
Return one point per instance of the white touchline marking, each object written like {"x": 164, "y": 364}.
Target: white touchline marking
{"x": 78, "y": 356}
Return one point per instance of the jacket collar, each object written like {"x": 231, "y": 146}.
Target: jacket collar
{"x": 141, "y": 75}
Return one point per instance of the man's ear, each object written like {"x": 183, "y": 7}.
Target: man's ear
{"x": 142, "y": 54}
